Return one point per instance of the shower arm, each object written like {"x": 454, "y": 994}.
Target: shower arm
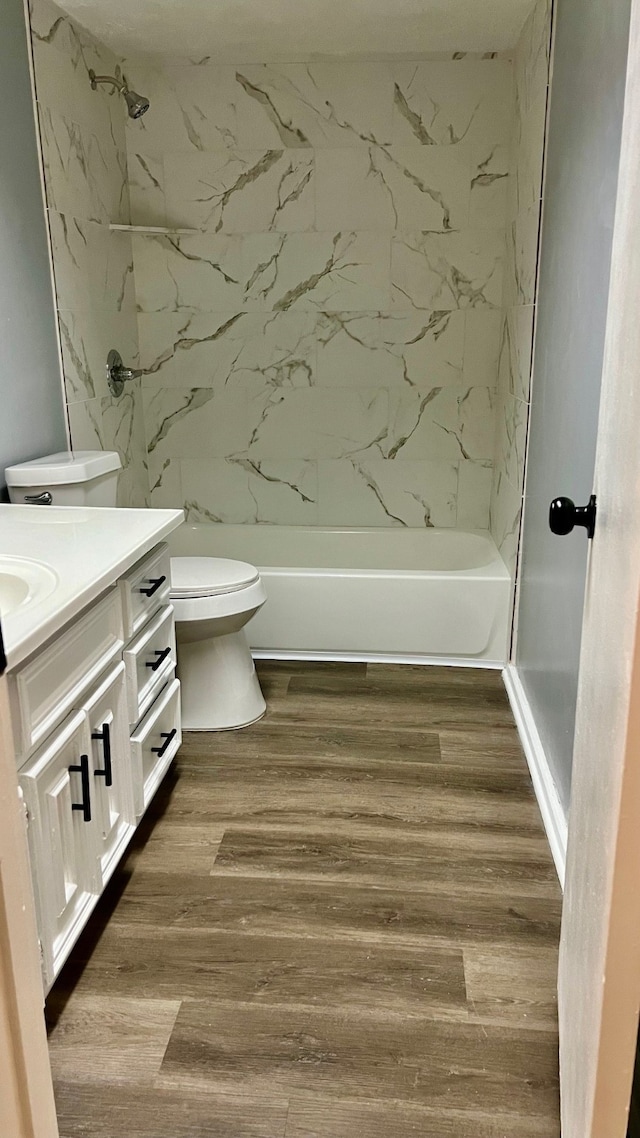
{"x": 95, "y": 79}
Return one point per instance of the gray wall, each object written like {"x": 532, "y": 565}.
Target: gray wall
{"x": 587, "y": 97}
{"x": 31, "y": 405}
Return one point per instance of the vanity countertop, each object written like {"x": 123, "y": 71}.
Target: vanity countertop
{"x": 86, "y": 549}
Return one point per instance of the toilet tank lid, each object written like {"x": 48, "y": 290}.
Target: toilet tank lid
{"x": 63, "y": 468}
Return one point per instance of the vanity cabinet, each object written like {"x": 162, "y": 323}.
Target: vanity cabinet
{"x": 95, "y": 736}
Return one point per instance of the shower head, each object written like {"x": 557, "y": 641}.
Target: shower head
{"x": 137, "y": 105}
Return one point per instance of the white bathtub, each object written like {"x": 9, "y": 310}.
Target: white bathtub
{"x": 369, "y": 594}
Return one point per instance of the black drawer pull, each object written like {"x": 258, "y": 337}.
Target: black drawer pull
{"x": 105, "y": 737}
{"x": 83, "y": 771}
{"x": 153, "y": 586}
{"x": 162, "y": 654}
{"x": 167, "y": 736}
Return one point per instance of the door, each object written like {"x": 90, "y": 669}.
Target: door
{"x": 111, "y": 783}
{"x": 599, "y": 981}
{"x": 591, "y": 40}
{"x": 57, "y": 788}
{"x": 26, "y": 1095}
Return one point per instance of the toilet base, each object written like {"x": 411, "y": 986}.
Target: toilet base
{"x": 220, "y": 688}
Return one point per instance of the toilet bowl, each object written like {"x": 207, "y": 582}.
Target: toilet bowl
{"x": 214, "y": 599}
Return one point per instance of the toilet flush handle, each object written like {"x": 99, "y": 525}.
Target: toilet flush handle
{"x": 43, "y": 499}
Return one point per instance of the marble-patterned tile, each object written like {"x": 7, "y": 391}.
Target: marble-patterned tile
{"x": 319, "y": 271}
{"x": 506, "y": 514}
{"x": 193, "y": 108}
{"x": 521, "y": 261}
{"x": 511, "y": 439}
{"x": 424, "y": 425}
{"x": 245, "y": 490}
{"x": 255, "y": 350}
{"x": 474, "y": 494}
{"x": 120, "y": 290}
{"x": 133, "y": 487}
{"x": 532, "y": 58}
{"x": 87, "y": 337}
{"x": 490, "y": 177}
{"x": 324, "y": 104}
{"x": 51, "y": 26}
{"x": 447, "y": 270}
{"x": 516, "y": 351}
{"x": 110, "y": 424}
{"x": 177, "y": 274}
{"x": 439, "y": 103}
{"x": 80, "y": 251}
{"x": 241, "y": 191}
{"x": 318, "y": 422}
{"x": 85, "y": 173}
{"x": 419, "y": 349}
{"x": 165, "y": 485}
{"x": 63, "y": 54}
{"x": 476, "y": 423}
{"x": 525, "y": 190}
{"x": 482, "y": 346}
{"x": 381, "y": 492}
{"x": 181, "y": 422}
{"x": 391, "y": 188}
{"x": 146, "y": 189}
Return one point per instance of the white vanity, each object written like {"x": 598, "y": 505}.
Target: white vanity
{"x": 95, "y": 702}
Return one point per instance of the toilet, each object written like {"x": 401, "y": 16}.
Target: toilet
{"x": 213, "y": 598}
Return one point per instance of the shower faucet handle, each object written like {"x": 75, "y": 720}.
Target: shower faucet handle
{"x": 118, "y": 374}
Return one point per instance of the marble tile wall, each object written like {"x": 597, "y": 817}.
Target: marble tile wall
{"x": 531, "y": 71}
{"x": 324, "y": 348}
{"x": 85, "y": 165}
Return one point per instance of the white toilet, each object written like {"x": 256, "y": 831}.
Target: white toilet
{"x": 213, "y": 598}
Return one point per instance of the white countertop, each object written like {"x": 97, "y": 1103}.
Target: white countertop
{"x": 87, "y": 549}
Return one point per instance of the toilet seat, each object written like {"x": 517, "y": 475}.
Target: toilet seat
{"x": 193, "y": 577}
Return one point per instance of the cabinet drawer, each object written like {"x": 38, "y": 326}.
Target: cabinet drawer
{"x": 149, "y": 660}
{"x": 145, "y": 589}
{"x": 155, "y": 743}
{"x": 43, "y": 691}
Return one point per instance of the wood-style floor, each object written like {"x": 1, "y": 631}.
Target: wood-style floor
{"x": 339, "y": 923}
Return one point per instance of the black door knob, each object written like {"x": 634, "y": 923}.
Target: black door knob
{"x": 564, "y": 516}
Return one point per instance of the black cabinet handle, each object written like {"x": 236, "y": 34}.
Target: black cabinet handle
{"x": 162, "y": 654}
{"x": 167, "y": 736}
{"x": 83, "y": 771}
{"x": 564, "y": 516}
{"x": 105, "y": 737}
{"x": 153, "y": 586}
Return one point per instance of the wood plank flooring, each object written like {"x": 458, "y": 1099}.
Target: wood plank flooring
{"x": 340, "y": 922}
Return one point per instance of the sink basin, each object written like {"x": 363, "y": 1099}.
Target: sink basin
{"x": 23, "y": 582}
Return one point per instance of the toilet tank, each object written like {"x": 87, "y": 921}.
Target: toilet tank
{"x": 78, "y": 478}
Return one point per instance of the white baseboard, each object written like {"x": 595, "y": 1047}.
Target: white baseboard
{"x": 553, "y": 815}
{"x": 374, "y": 658}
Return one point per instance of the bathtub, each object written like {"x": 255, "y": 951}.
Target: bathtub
{"x": 406, "y": 595}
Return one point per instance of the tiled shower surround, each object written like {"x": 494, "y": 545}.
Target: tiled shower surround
{"x": 325, "y": 348}
{"x": 531, "y": 78}
{"x": 85, "y": 164}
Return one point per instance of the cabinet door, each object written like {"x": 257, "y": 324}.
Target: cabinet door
{"x": 57, "y": 787}
{"x": 111, "y": 783}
